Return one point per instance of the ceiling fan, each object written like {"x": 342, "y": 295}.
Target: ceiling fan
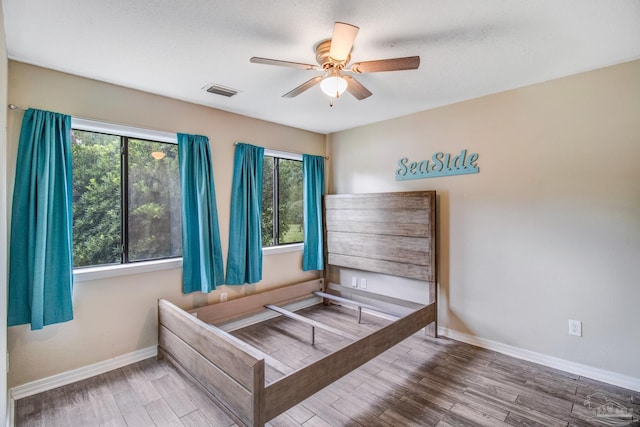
{"x": 333, "y": 57}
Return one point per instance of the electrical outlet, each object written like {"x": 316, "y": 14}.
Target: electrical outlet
{"x": 363, "y": 283}
{"x": 223, "y": 296}
{"x": 354, "y": 282}
{"x": 575, "y": 328}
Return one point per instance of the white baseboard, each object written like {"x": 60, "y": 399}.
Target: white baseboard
{"x": 48, "y": 383}
{"x": 609, "y": 377}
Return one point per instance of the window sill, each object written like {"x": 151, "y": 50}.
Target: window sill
{"x": 104, "y": 272}
{"x": 271, "y": 250}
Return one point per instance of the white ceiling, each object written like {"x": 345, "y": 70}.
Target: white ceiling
{"x": 468, "y": 48}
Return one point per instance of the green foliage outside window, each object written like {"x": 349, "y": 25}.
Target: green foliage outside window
{"x": 267, "y": 202}
{"x": 154, "y": 201}
{"x": 282, "y": 201}
{"x": 96, "y": 198}
{"x": 290, "y": 214}
{"x": 152, "y": 228}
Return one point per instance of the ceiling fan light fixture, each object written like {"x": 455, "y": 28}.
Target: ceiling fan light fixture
{"x": 334, "y": 56}
{"x": 333, "y": 85}
{"x": 158, "y": 155}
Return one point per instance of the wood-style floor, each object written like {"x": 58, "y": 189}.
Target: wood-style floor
{"x": 420, "y": 382}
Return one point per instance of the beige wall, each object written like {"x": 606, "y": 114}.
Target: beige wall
{"x": 549, "y": 230}
{"x": 3, "y": 219}
{"x": 117, "y": 316}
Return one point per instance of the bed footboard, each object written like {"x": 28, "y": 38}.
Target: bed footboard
{"x": 229, "y": 370}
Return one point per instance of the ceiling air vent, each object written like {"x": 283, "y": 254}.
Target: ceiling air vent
{"x": 221, "y": 90}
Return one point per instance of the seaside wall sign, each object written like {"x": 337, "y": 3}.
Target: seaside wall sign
{"x": 441, "y": 164}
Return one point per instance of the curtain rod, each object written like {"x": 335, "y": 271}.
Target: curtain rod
{"x": 15, "y": 107}
{"x": 284, "y": 151}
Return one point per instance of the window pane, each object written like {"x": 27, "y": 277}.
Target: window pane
{"x": 267, "y": 202}
{"x": 154, "y": 214}
{"x": 96, "y": 198}
{"x": 290, "y": 201}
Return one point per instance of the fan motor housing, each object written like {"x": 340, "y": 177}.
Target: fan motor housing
{"x": 324, "y": 60}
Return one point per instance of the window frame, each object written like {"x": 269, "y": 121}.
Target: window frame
{"x": 87, "y": 273}
{"x": 286, "y": 247}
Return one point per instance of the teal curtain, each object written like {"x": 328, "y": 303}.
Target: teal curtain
{"x": 244, "y": 261}
{"x": 313, "y": 190}
{"x": 41, "y": 256}
{"x": 202, "y": 268}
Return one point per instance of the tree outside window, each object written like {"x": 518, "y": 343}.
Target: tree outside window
{"x": 126, "y": 199}
{"x": 282, "y": 208}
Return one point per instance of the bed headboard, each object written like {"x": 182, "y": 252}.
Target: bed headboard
{"x": 389, "y": 233}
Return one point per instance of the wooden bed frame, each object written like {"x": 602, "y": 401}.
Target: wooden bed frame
{"x": 391, "y": 233}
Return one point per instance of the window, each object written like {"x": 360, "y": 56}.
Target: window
{"x": 126, "y": 198}
{"x": 282, "y": 208}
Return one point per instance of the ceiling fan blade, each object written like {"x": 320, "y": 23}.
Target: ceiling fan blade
{"x": 267, "y": 61}
{"x": 342, "y": 40}
{"x": 395, "y": 64}
{"x": 356, "y": 88}
{"x": 304, "y": 86}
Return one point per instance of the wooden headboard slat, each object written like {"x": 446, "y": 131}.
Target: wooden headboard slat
{"x": 392, "y": 229}
{"x": 410, "y": 271}
{"x": 410, "y": 250}
{"x": 405, "y": 200}
{"x": 384, "y": 215}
